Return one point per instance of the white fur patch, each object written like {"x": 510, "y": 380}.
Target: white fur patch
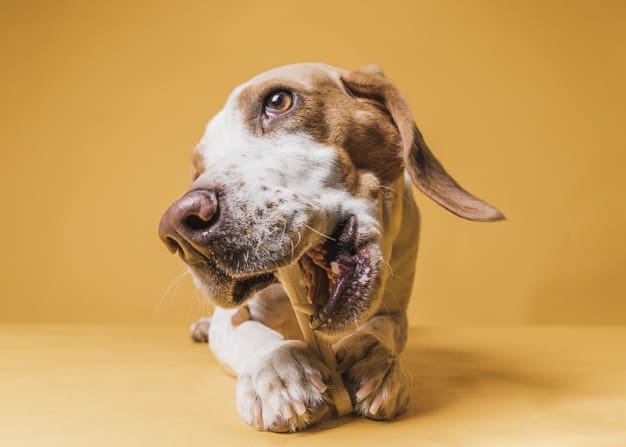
{"x": 287, "y": 190}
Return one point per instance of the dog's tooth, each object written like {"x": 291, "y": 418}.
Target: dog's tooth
{"x": 334, "y": 267}
{"x": 308, "y": 309}
{"x": 318, "y": 321}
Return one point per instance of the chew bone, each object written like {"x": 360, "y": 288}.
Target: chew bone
{"x": 292, "y": 282}
{"x": 291, "y": 279}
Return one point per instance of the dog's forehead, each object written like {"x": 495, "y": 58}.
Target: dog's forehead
{"x": 229, "y": 128}
{"x": 327, "y": 114}
{"x": 308, "y": 74}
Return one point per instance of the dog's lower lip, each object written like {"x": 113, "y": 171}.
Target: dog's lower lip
{"x": 337, "y": 272}
{"x": 243, "y": 288}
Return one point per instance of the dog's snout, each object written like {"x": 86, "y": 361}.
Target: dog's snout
{"x": 186, "y": 225}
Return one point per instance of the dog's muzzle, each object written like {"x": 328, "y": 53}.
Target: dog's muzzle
{"x": 192, "y": 227}
{"x": 341, "y": 272}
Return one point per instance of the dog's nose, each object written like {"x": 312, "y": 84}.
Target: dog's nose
{"x": 186, "y": 225}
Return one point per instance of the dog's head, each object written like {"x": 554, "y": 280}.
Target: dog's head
{"x": 290, "y": 171}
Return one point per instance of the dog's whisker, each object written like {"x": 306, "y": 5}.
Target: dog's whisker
{"x": 293, "y": 249}
{"x": 388, "y": 265}
{"x": 175, "y": 284}
{"x": 282, "y": 236}
{"x": 389, "y": 188}
{"x": 402, "y": 196}
{"x": 325, "y": 236}
{"x": 205, "y": 307}
{"x": 392, "y": 296}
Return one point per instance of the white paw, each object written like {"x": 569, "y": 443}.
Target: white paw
{"x": 285, "y": 390}
{"x": 199, "y": 331}
{"x": 376, "y": 379}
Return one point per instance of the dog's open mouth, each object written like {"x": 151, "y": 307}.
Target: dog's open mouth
{"x": 340, "y": 275}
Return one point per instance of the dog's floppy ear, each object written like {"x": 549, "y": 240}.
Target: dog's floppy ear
{"x": 372, "y": 69}
{"x": 426, "y": 171}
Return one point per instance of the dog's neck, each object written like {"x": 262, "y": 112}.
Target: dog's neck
{"x": 401, "y": 226}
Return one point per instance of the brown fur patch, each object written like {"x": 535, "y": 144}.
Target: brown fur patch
{"x": 327, "y": 112}
{"x": 425, "y": 170}
{"x": 242, "y": 314}
{"x": 197, "y": 163}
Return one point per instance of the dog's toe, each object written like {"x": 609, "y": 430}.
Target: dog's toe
{"x": 199, "y": 330}
{"x": 285, "y": 391}
{"x": 377, "y": 379}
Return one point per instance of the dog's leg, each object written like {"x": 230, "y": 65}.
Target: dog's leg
{"x": 369, "y": 360}
{"x": 281, "y": 384}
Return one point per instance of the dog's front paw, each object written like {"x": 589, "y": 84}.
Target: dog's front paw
{"x": 285, "y": 390}
{"x": 375, "y": 377}
{"x": 199, "y": 331}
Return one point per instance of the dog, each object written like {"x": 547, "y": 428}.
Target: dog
{"x": 310, "y": 165}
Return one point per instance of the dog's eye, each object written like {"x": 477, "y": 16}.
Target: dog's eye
{"x": 278, "y": 102}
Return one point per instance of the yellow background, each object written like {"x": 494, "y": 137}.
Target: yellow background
{"x": 524, "y": 102}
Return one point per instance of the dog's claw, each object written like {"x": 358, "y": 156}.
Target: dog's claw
{"x": 376, "y": 403}
{"x": 299, "y": 407}
{"x": 365, "y": 390}
{"x": 319, "y": 383}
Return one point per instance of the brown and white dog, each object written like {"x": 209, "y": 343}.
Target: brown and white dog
{"x": 306, "y": 164}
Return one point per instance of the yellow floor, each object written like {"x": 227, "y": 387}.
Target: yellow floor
{"x": 147, "y": 386}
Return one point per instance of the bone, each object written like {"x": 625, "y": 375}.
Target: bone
{"x": 290, "y": 278}
{"x": 305, "y": 308}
